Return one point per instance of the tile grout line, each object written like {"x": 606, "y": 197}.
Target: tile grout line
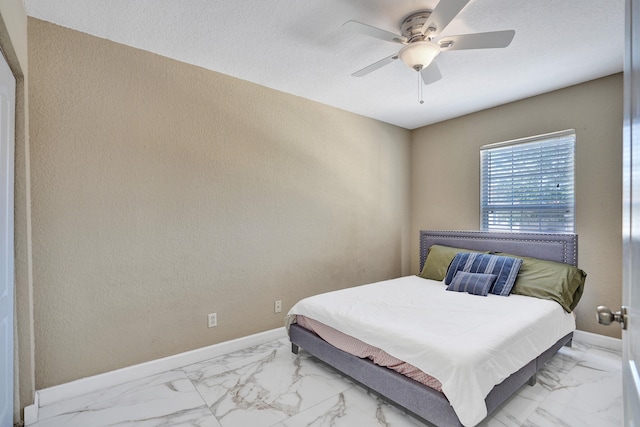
{"x": 314, "y": 406}
{"x": 204, "y": 402}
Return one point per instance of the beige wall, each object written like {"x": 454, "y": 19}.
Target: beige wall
{"x": 445, "y": 164}
{"x": 162, "y": 192}
{"x": 13, "y": 42}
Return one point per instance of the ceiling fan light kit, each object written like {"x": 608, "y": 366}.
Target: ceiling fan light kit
{"x": 419, "y": 54}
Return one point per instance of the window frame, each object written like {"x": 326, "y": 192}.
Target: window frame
{"x": 548, "y": 210}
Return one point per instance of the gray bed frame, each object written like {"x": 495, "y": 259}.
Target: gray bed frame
{"x": 420, "y": 400}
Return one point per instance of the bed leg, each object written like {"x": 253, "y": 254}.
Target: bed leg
{"x": 569, "y": 343}
{"x": 532, "y": 381}
{"x": 294, "y": 348}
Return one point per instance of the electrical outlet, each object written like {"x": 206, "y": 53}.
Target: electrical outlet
{"x": 212, "y": 320}
{"x": 277, "y": 306}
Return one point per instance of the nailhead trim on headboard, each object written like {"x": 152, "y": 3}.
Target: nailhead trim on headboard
{"x": 553, "y": 247}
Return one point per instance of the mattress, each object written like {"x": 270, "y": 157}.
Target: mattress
{"x": 468, "y": 343}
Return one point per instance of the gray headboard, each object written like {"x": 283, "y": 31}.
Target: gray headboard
{"x": 552, "y": 247}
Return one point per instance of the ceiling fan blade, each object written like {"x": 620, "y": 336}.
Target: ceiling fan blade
{"x": 443, "y": 14}
{"x": 379, "y": 64}
{"x": 431, "y": 74}
{"x": 378, "y": 33}
{"x": 492, "y": 39}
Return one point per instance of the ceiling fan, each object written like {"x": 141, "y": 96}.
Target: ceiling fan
{"x": 419, "y": 35}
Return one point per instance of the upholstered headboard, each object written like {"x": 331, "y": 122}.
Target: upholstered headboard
{"x": 552, "y": 247}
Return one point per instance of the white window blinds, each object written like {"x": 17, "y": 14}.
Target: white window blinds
{"x": 527, "y": 185}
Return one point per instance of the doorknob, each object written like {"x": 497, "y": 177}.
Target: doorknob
{"x": 607, "y": 317}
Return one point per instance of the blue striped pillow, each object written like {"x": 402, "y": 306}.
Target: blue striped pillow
{"x": 473, "y": 283}
{"x": 505, "y": 268}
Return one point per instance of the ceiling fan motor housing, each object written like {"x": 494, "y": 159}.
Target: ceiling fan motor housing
{"x": 411, "y": 27}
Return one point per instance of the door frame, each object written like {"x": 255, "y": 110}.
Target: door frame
{"x": 7, "y": 278}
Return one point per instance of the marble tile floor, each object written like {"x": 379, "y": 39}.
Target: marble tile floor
{"x": 267, "y": 385}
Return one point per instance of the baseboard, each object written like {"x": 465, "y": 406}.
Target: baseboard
{"x": 82, "y": 386}
{"x": 31, "y": 412}
{"x": 598, "y": 340}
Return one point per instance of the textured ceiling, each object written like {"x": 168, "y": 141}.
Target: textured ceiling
{"x": 300, "y": 47}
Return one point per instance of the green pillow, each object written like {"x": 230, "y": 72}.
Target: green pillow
{"x": 438, "y": 259}
{"x": 556, "y": 281}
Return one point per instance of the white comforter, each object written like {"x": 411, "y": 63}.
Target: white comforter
{"x": 469, "y": 343}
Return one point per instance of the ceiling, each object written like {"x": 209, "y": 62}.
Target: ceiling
{"x": 300, "y": 47}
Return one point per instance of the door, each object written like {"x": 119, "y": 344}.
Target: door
{"x": 631, "y": 217}
{"x": 7, "y": 120}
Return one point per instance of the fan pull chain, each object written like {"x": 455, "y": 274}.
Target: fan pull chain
{"x": 420, "y": 89}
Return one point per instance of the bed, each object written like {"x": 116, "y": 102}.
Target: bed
{"x": 469, "y": 388}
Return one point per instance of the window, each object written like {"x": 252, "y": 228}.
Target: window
{"x": 527, "y": 185}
